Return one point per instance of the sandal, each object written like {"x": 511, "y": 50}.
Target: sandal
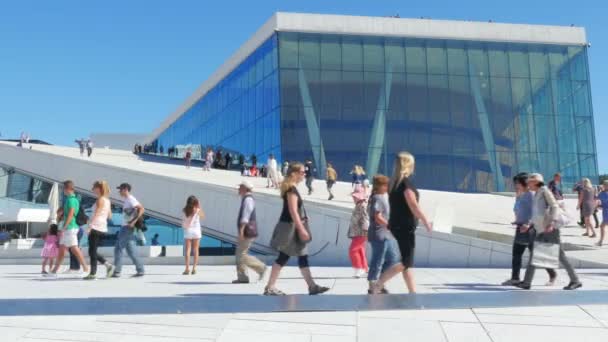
{"x": 186, "y": 272}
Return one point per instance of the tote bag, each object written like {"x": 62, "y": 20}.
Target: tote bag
{"x": 545, "y": 255}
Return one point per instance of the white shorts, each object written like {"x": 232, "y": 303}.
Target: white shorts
{"x": 192, "y": 233}
{"x": 69, "y": 238}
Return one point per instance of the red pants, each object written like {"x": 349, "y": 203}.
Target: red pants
{"x": 357, "y": 252}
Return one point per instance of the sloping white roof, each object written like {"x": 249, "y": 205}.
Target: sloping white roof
{"x": 20, "y": 211}
{"x": 381, "y": 26}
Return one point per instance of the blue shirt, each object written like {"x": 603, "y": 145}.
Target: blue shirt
{"x": 523, "y": 208}
{"x": 603, "y": 197}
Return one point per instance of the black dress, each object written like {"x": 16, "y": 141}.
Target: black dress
{"x": 402, "y": 221}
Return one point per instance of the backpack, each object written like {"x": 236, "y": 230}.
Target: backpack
{"x": 81, "y": 218}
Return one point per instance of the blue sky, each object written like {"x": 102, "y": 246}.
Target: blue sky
{"x": 68, "y": 68}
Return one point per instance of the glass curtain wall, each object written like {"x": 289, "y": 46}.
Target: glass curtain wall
{"x": 239, "y": 115}
{"x": 473, "y": 113}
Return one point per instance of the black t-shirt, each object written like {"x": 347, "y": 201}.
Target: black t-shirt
{"x": 402, "y": 217}
{"x": 309, "y": 170}
{"x": 285, "y": 215}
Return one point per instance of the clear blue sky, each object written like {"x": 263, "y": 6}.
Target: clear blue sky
{"x": 68, "y": 68}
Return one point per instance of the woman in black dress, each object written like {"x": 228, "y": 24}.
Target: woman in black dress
{"x": 404, "y": 216}
{"x": 293, "y": 220}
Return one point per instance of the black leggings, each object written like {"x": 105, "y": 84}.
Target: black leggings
{"x": 95, "y": 238}
{"x": 283, "y": 258}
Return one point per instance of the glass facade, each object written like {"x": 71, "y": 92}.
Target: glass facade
{"x": 473, "y": 113}
{"x": 239, "y": 115}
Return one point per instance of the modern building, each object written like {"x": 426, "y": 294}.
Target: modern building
{"x": 475, "y": 102}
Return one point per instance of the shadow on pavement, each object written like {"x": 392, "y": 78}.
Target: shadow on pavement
{"x": 228, "y": 303}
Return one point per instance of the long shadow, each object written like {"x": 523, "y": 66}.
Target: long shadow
{"x": 228, "y": 303}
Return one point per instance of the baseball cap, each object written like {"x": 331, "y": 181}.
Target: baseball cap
{"x": 247, "y": 185}
{"x": 123, "y": 186}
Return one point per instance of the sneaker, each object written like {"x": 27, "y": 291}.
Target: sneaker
{"x": 511, "y": 282}
{"x": 574, "y": 285}
{"x": 138, "y": 275}
{"x": 239, "y": 281}
{"x": 263, "y": 273}
{"x": 115, "y": 275}
{"x": 51, "y": 275}
{"x": 360, "y": 273}
{"x": 317, "y": 289}
{"x": 44, "y": 272}
{"x": 330, "y": 197}
{"x": 186, "y": 272}
{"x": 90, "y": 277}
{"x": 598, "y": 244}
{"x": 523, "y": 286}
{"x": 273, "y": 292}
{"x": 110, "y": 270}
{"x": 551, "y": 282}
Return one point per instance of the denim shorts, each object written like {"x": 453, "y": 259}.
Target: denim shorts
{"x": 385, "y": 254}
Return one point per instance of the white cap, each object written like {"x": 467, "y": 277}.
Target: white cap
{"x": 536, "y": 177}
{"x": 247, "y": 185}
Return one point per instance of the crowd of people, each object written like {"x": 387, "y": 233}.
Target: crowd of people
{"x": 385, "y": 217}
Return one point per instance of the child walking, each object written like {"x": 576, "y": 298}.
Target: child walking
{"x": 50, "y": 249}
{"x": 357, "y": 232}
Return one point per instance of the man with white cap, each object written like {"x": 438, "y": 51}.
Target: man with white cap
{"x": 247, "y": 232}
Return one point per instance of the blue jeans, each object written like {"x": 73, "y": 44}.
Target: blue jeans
{"x": 385, "y": 254}
{"x": 126, "y": 240}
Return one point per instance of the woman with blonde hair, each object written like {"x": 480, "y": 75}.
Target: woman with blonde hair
{"x": 404, "y": 215}
{"x": 191, "y": 224}
{"x": 587, "y": 205}
{"x": 98, "y": 228}
{"x": 358, "y": 175}
{"x": 292, "y": 234}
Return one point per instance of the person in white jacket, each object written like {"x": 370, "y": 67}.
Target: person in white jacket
{"x": 272, "y": 172}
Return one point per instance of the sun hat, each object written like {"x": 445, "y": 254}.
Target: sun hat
{"x": 247, "y": 185}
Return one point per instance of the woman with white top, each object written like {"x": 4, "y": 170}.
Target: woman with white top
{"x": 192, "y": 231}
{"x": 98, "y": 227}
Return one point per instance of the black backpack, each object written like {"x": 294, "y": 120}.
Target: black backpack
{"x": 81, "y": 218}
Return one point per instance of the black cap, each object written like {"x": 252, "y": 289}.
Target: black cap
{"x": 124, "y": 186}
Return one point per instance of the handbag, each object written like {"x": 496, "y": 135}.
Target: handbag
{"x": 546, "y": 250}
{"x": 545, "y": 255}
{"x": 286, "y": 239}
{"x": 251, "y": 230}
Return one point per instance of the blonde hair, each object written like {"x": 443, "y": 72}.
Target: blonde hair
{"x": 403, "y": 168}
{"x": 358, "y": 170}
{"x": 290, "y": 180}
{"x": 587, "y": 183}
{"x": 103, "y": 187}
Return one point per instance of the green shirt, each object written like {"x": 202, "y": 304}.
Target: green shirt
{"x": 71, "y": 202}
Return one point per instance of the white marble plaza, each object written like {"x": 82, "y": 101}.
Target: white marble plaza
{"x": 452, "y": 305}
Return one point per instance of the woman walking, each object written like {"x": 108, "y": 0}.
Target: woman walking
{"x": 603, "y": 202}
{"x": 98, "y": 227}
{"x": 545, "y": 218}
{"x": 525, "y": 233}
{"x": 191, "y": 224}
{"x": 292, "y": 234}
{"x": 357, "y": 232}
{"x": 404, "y": 215}
{"x": 587, "y": 204}
{"x": 358, "y": 175}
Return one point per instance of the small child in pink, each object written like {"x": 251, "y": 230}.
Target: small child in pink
{"x": 51, "y": 248}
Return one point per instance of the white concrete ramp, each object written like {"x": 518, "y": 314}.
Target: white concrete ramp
{"x": 164, "y": 187}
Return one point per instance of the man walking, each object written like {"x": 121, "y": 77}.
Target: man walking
{"x": 331, "y": 177}
{"x": 132, "y": 211}
{"x": 272, "y": 179}
{"x": 309, "y": 171}
{"x": 247, "y": 229}
{"x": 89, "y": 147}
{"x": 69, "y": 240}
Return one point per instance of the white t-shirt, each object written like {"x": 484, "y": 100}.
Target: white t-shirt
{"x": 128, "y": 209}
{"x": 248, "y": 207}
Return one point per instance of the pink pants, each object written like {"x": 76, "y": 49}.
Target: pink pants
{"x": 357, "y": 252}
